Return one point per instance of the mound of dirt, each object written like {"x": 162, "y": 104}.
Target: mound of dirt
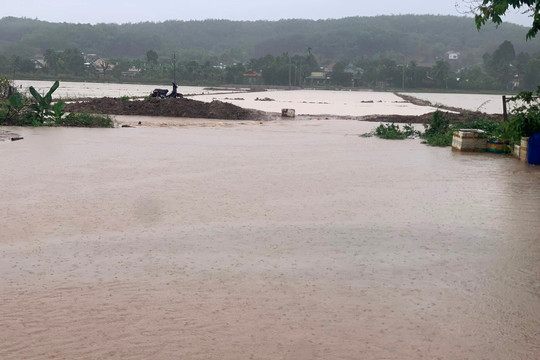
{"x": 169, "y": 107}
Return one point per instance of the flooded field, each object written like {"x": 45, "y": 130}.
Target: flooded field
{"x": 86, "y": 89}
{"x": 307, "y": 102}
{"x": 282, "y": 240}
{"x": 491, "y": 104}
{"x": 324, "y": 102}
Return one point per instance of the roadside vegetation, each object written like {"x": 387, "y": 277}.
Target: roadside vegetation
{"x": 41, "y": 110}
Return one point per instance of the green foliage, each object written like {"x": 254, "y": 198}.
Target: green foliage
{"x": 499, "y": 64}
{"x": 440, "y": 72}
{"x": 339, "y": 76}
{"x": 151, "y": 57}
{"x": 86, "y": 120}
{"x": 15, "y": 111}
{"x": 439, "y": 124}
{"x": 408, "y": 130}
{"x": 380, "y": 46}
{"x": 441, "y": 140}
{"x": 398, "y": 37}
{"x": 125, "y": 98}
{"x": 437, "y": 131}
{"x": 58, "y": 110}
{"x": 393, "y": 132}
{"x": 5, "y": 86}
{"x": 43, "y": 107}
{"x": 15, "y": 106}
{"x": 389, "y": 132}
{"x": 525, "y": 118}
{"x": 494, "y": 10}
{"x": 234, "y": 74}
{"x": 490, "y": 127}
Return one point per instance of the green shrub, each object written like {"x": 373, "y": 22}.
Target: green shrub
{"x": 86, "y": 120}
{"x": 525, "y": 119}
{"x": 5, "y": 87}
{"x": 389, "y": 132}
{"x": 444, "y": 139}
{"x": 438, "y": 125}
{"x": 438, "y": 131}
{"x": 409, "y": 130}
{"x": 490, "y": 127}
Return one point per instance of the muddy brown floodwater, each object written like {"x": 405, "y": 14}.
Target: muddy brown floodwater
{"x": 286, "y": 240}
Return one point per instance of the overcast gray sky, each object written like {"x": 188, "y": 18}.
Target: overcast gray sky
{"x": 123, "y": 11}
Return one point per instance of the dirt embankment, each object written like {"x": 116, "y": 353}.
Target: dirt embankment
{"x": 461, "y": 117}
{"x": 455, "y": 115}
{"x": 166, "y": 107}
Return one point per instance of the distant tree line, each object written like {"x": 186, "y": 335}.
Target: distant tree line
{"x": 405, "y": 38}
{"x": 500, "y": 70}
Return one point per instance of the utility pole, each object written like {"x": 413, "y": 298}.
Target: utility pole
{"x": 403, "y": 79}
{"x": 290, "y": 65}
{"x": 174, "y": 68}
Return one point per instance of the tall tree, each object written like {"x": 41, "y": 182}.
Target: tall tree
{"x": 53, "y": 61}
{"x": 151, "y": 57}
{"x": 440, "y": 73}
{"x": 500, "y": 63}
{"x": 73, "y": 61}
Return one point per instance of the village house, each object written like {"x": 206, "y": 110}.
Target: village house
{"x": 131, "y": 72}
{"x": 253, "y": 78}
{"x": 318, "y": 78}
{"x": 100, "y": 66}
{"x": 452, "y": 55}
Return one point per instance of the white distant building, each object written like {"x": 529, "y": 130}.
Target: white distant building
{"x": 453, "y": 55}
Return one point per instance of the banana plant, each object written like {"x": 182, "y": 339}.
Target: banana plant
{"x": 43, "y": 106}
{"x": 58, "y": 110}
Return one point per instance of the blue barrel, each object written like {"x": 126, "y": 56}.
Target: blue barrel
{"x": 533, "y": 153}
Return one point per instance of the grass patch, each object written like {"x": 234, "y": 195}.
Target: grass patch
{"x": 86, "y": 120}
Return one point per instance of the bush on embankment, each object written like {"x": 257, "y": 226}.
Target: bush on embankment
{"x": 41, "y": 110}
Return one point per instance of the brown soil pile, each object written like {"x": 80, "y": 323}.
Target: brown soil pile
{"x": 166, "y": 107}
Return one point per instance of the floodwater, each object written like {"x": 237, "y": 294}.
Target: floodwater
{"x": 324, "y": 102}
{"x": 72, "y": 90}
{"x": 281, "y": 240}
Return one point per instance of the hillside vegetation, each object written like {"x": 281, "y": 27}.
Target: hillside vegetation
{"x": 421, "y": 38}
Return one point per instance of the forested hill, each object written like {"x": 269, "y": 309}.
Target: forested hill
{"x": 408, "y": 37}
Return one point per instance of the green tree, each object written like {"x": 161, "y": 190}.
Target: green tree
{"x": 234, "y": 74}
{"x": 53, "y": 61}
{"x": 499, "y": 64}
{"x": 493, "y": 10}
{"x": 73, "y": 61}
{"x": 151, "y": 57}
{"x": 441, "y": 73}
{"x": 339, "y": 76}
{"x": 532, "y": 73}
